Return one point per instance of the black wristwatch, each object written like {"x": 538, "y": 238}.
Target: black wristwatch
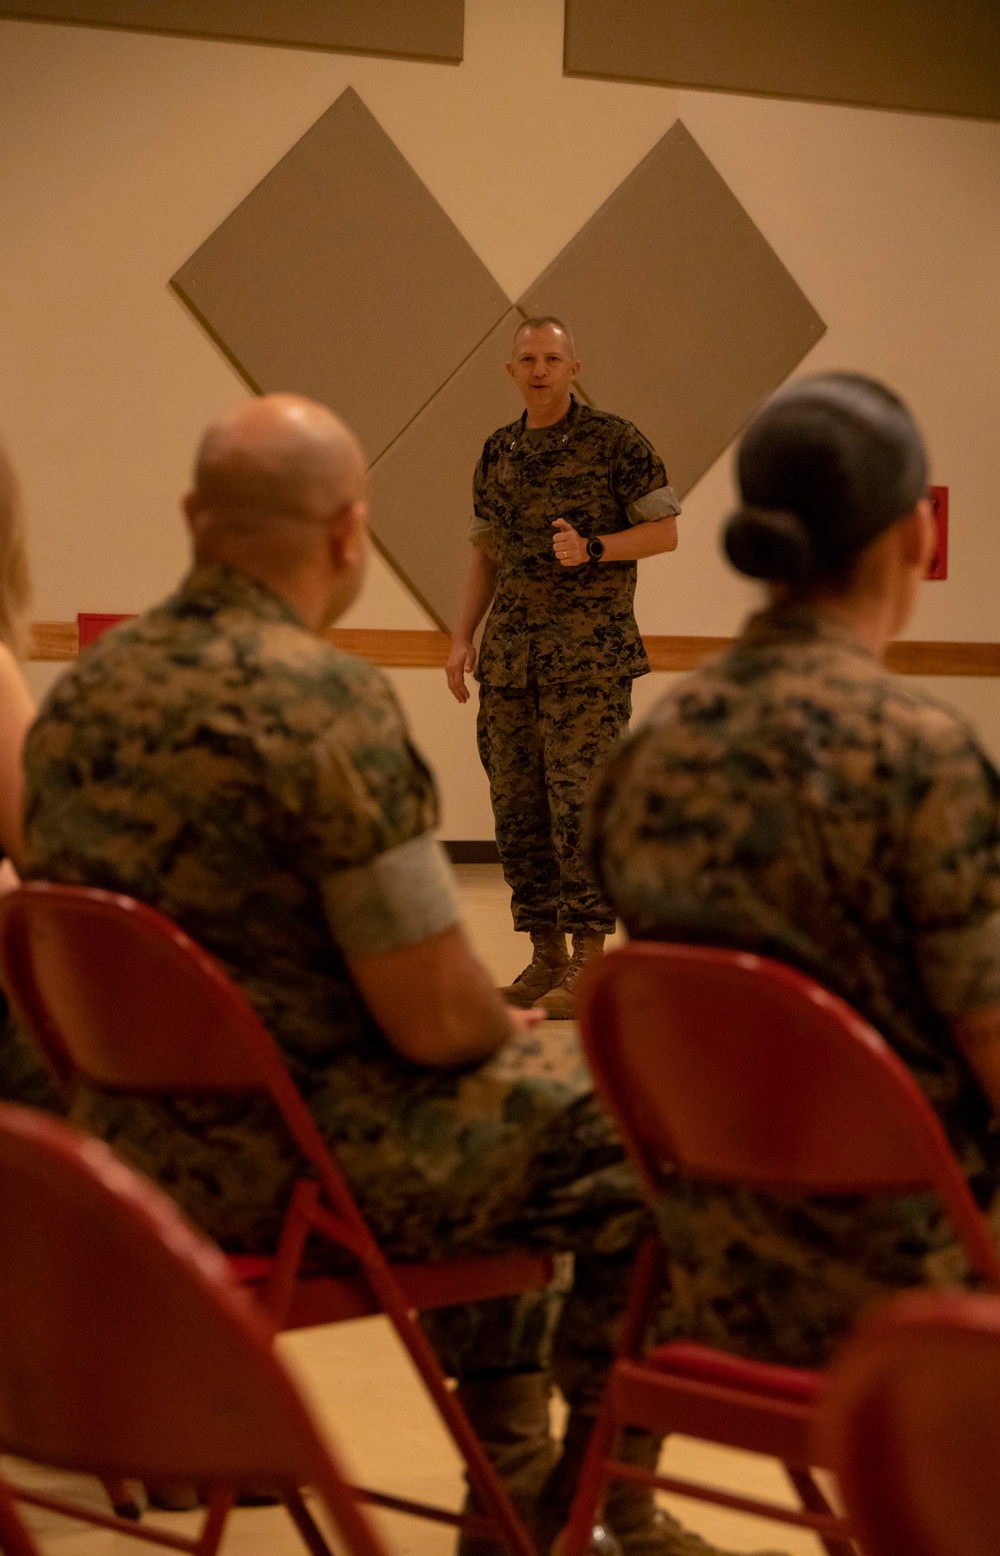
{"x": 595, "y": 550}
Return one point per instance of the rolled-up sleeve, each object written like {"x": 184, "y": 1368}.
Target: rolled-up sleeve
{"x": 659, "y": 504}
{"x": 640, "y": 479}
{"x": 480, "y": 531}
{"x": 367, "y": 808}
{"x": 401, "y": 896}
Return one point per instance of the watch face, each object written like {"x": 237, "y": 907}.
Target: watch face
{"x": 595, "y": 549}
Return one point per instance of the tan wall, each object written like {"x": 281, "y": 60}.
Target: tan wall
{"x": 119, "y": 153}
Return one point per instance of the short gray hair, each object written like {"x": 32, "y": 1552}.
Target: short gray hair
{"x": 541, "y": 322}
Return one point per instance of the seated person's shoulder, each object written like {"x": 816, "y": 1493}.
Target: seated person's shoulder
{"x": 348, "y": 678}
{"x": 917, "y": 725}
{"x": 360, "y": 710}
{"x": 323, "y": 685}
{"x": 876, "y": 728}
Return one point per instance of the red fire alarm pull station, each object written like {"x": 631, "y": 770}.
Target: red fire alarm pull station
{"x": 93, "y": 625}
{"x": 938, "y": 567}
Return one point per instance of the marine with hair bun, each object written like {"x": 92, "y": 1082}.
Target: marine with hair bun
{"x": 794, "y": 799}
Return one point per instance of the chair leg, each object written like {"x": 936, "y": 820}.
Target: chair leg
{"x": 357, "y": 1534}
{"x": 588, "y": 1503}
{"x": 291, "y": 1246}
{"x": 814, "y": 1501}
{"x": 482, "y": 1477}
{"x": 304, "y": 1214}
{"x": 305, "y": 1523}
{"x": 220, "y": 1503}
{"x": 14, "y": 1537}
{"x": 644, "y": 1290}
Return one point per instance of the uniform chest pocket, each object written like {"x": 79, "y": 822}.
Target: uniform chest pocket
{"x": 581, "y": 497}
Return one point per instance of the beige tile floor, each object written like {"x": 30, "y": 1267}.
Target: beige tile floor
{"x": 364, "y": 1393}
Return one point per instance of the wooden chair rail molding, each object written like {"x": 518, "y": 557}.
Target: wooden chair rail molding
{"x": 59, "y": 640}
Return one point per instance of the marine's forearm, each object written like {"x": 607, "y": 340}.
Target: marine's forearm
{"x": 480, "y": 586}
{"x": 641, "y": 540}
{"x": 626, "y": 545}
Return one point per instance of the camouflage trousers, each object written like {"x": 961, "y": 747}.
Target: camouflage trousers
{"x": 25, "y": 1078}
{"x": 541, "y": 746}
{"x": 514, "y": 1154}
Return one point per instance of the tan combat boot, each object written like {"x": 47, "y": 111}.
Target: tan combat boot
{"x": 631, "y": 1518}
{"x": 510, "y": 1415}
{"x": 631, "y": 1513}
{"x": 560, "y": 1003}
{"x": 549, "y": 961}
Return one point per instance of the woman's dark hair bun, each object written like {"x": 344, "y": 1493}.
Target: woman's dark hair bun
{"x": 824, "y": 467}
{"x": 769, "y": 543}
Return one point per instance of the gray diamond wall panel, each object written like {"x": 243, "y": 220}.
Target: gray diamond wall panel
{"x": 422, "y": 486}
{"x": 685, "y": 317}
{"x": 340, "y": 277}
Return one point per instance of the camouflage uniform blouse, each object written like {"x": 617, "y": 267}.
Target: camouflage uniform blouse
{"x": 572, "y": 623}
{"x": 796, "y": 800}
{"x": 216, "y": 759}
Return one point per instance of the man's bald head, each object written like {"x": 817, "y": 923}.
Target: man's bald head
{"x": 274, "y": 458}
{"x": 279, "y": 494}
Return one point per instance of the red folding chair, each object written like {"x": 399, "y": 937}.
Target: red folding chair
{"x": 911, "y": 1422}
{"x": 118, "y": 997}
{"x": 128, "y": 1348}
{"x": 731, "y": 1068}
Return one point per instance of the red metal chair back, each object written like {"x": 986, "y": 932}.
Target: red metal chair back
{"x": 734, "y": 1068}
{"x": 126, "y": 1346}
{"x": 116, "y": 995}
{"x": 911, "y": 1422}
{"x": 89, "y": 968}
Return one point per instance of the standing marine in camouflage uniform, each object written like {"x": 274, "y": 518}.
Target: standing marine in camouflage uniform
{"x": 796, "y": 800}
{"x": 217, "y": 759}
{"x": 565, "y": 500}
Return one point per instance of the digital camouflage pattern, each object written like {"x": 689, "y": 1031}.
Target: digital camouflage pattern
{"x": 216, "y": 759}
{"x": 796, "y": 800}
{"x": 569, "y": 623}
{"x": 24, "y": 1075}
{"x": 220, "y": 762}
{"x": 561, "y": 646}
{"x": 541, "y": 746}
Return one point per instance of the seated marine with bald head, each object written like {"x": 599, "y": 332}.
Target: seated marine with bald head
{"x": 220, "y": 760}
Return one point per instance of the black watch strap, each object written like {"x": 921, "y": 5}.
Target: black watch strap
{"x": 595, "y": 550}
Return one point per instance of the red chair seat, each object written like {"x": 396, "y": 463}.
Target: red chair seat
{"x": 735, "y": 1413}
{"x": 251, "y": 1269}
{"x": 685, "y": 1359}
{"x": 319, "y": 1298}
